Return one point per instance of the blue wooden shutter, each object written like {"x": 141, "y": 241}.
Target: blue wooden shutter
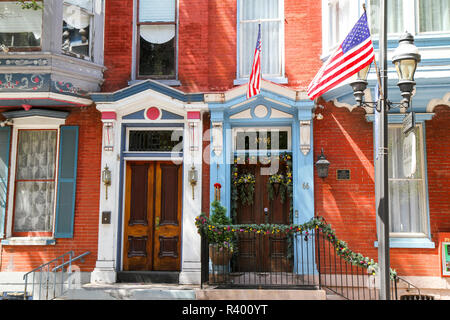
{"x": 67, "y": 178}
{"x": 5, "y": 138}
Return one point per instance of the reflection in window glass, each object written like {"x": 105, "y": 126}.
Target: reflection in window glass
{"x": 77, "y": 16}
{"x": 157, "y": 39}
{"x": 19, "y": 28}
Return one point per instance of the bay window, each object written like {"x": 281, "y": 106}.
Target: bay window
{"x": 270, "y": 13}
{"x": 157, "y": 34}
{"x": 20, "y": 29}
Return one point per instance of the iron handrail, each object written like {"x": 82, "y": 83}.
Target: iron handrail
{"x": 62, "y": 265}
{"x": 58, "y": 267}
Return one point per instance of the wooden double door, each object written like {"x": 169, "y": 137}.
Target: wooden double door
{"x": 153, "y": 204}
{"x": 261, "y": 252}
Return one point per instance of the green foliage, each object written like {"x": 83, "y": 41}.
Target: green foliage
{"x": 224, "y": 237}
{"x": 33, "y": 4}
{"x": 316, "y": 224}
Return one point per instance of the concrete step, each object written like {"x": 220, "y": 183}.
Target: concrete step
{"x": 131, "y": 291}
{"x": 156, "y": 277}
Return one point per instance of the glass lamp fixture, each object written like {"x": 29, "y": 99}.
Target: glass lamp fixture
{"x": 405, "y": 59}
{"x": 322, "y": 165}
{"x": 360, "y": 84}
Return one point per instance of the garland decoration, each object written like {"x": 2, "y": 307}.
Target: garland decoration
{"x": 317, "y": 224}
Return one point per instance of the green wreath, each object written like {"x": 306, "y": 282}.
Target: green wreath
{"x": 245, "y": 184}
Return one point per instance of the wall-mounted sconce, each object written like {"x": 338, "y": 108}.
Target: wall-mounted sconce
{"x": 108, "y": 136}
{"x": 106, "y": 178}
{"x": 322, "y": 165}
{"x": 217, "y": 137}
{"x": 193, "y": 144}
{"x": 193, "y": 178}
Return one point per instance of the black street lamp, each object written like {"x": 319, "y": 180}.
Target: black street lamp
{"x": 405, "y": 58}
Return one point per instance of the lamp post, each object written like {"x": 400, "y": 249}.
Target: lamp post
{"x": 405, "y": 58}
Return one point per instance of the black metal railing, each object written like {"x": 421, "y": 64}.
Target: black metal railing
{"x": 303, "y": 260}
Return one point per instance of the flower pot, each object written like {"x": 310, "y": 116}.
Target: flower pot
{"x": 219, "y": 255}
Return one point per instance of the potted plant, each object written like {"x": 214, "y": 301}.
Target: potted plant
{"x": 221, "y": 240}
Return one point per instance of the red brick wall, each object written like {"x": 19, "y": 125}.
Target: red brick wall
{"x": 207, "y": 44}
{"x": 25, "y": 258}
{"x": 350, "y": 205}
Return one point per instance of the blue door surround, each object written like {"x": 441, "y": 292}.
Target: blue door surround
{"x": 282, "y": 111}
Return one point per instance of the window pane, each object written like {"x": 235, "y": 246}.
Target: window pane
{"x": 262, "y": 140}
{"x": 270, "y": 48}
{"x": 394, "y": 16}
{"x": 157, "y": 58}
{"x": 76, "y": 26}
{"x": 35, "y": 185}
{"x": 36, "y": 155}
{"x": 259, "y": 9}
{"x": 157, "y": 11}
{"x": 151, "y": 140}
{"x": 434, "y": 15}
{"x": 271, "y": 42}
{"x": 19, "y": 27}
{"x": 34, "y": 204}
{"x": 406, "y": 193}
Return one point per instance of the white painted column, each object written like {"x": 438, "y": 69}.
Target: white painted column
{"x": 105, "y": 271}
{"x": 192, "y": 200}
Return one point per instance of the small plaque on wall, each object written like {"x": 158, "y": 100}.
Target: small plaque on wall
{"x": 342, "y": 174}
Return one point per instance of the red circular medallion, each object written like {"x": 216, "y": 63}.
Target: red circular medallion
{"x": 153, "y": 113}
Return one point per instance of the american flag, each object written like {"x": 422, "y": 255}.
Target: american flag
{"x": 355, "y": 53}
{"x": 254, "y": 83}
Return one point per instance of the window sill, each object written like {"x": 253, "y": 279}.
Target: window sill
{"x": 417, "y": 243}
{"x": 26, "y": 241}
{"x": 279, "y": 80}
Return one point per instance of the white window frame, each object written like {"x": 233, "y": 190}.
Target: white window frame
{"x": 424, "y": 215}
{"x": 30, "y": 123}
{"x": 91, "y": 33}
{"x": 281, "y": 78}
{"x": 256, "y": 129}
{"x": 168, "y": 128}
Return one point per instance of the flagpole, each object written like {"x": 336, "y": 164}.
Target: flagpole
{"x": 381, "y": 165}
{"x": 380, "y": 89}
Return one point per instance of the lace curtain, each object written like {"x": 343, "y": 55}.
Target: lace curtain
{"x": 251, "y": 11}
{"x": 406, "y": 194}
{"x": 35, "y": 181}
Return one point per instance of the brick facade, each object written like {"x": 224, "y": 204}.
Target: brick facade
{"x": 85, "y": 238}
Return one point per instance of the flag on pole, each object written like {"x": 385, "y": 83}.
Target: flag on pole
{"x": 254, "y": 83}
{"x": 355, "y": 53}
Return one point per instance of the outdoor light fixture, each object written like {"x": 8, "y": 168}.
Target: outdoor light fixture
{"x": 193, "y": 178}
{"x": 322, "y": 165}
{"x": 108, "y": 136}
{"x": 106, "y": 178}
{"x": 405, "y": 58}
